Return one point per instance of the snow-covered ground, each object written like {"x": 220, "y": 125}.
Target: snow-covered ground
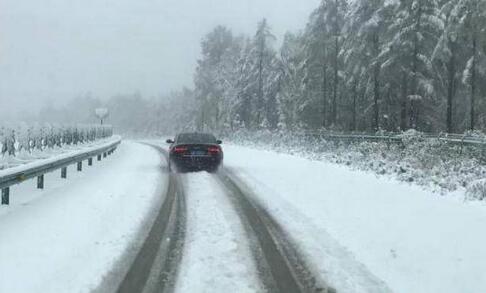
{"x": 358, "y": 229}
{"x": 217, "y": 255}
{"x": 66, "y": 237}
{"x": 362, "y": 233}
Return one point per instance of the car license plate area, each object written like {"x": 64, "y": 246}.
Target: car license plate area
{"x": 198, "y": 153}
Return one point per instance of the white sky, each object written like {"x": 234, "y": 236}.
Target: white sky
{"x": 59, "y": 49}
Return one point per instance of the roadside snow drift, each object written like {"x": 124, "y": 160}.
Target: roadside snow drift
{"x": 66, "y": 237}
{"x": 369, "y": 234}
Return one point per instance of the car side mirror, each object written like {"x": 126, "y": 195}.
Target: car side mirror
{"x": 169, "y": 141}
{"x": 219, "y": 141}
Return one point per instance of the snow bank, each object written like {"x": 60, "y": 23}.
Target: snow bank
{"x": 359, "y": 229}
{"x": 66, "y": 237}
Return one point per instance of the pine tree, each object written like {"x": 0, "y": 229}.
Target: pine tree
{"x": 474, "y": 28}
{"x": 263, "y": 55}
{"x": 324, "y": 40}
{"x": 291, "y": 90}
{"x": 361, "y": 50}
{"x": 209, "y": 86}
{"x": 411, "y": 40}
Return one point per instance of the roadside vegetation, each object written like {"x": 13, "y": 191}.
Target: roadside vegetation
{"x": 433, "y": 164}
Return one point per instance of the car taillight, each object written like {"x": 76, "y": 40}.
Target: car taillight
{"x": 214, "y": 150}
{"x": 179, "y": 150}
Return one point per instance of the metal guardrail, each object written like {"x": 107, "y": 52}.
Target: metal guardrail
{"x": 462, "y": 139}
{"x": 39, "y": 171}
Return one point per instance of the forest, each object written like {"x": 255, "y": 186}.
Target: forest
{"x": 368, "y": 65}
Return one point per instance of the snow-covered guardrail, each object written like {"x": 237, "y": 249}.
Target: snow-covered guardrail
{"x": 461, "y": 139}
{"x": 16, "y": 175}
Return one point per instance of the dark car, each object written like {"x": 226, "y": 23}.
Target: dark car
{"x": 195, "y": 152}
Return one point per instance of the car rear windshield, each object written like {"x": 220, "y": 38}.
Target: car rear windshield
{"x": 195, "y": 138}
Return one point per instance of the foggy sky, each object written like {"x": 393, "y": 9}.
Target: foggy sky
{"x": 54, "y": 50}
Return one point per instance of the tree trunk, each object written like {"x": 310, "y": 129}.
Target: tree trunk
{"x": 414, "y": 103}
{"x": 260, "y": 85}
{"x": 246, "y": 111}
{"x": 451, "y": 67}
{"x": 389, "y": 125}
{"x": 353, "y": 121}
{"x": 376, "y": 87}
{"x": 473, "y": 84}
{"x": 324, "y": 95}
{"x": 202, "y": 121}
{"x": 335, "y": 83}
{"x": 403, "y": 104}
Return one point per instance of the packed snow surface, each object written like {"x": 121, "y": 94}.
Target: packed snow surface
{"x": 217, "y": 254}
{"x": 365, "y": 233}
{"x": 68, "y": 236}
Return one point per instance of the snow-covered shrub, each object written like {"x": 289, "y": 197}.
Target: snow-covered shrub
{"x": 23, "y": 139}
{"x": 477, "y": 190}
{"x": 415, "y": 157}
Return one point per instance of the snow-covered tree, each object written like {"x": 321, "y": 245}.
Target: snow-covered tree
{"x": 291, "y": 90}
{"x": 364, "y": 30}
{"x": 263, "y": 64}
{"x": 411, "y": 39}
{"x": 208, "y": 80}
{"x": 323, "y": 63}
{"x": 473, "y": 19}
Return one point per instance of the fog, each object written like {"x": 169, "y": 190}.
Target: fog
{"x": 54, "y": 50}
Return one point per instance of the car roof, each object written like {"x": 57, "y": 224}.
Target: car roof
{"x": 195, "y": 133}
{"x": 195, "y": 137}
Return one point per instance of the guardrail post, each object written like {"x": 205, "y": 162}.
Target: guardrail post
{"x": 64, "y": 172}
{"x": 80, "y": 166}
{"x": 104, "y": 155}
{"x": 90, "y": 162}
{"x": 6, "y": 196}
{"x": 99, "y": 157}
{"x": 462, "y": 145}
{"x": 40, "y": 182}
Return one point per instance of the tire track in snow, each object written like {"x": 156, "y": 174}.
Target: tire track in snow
{"x": 217, "y": 255}
{"x": 281, "y": 266}
{"x": 156, "y": 265}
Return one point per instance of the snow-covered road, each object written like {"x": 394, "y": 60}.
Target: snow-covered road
{"x": 217, "y": 254}
{"x": 362, "y": 231}
{"x": 66, "y": 237}
{"x": 228, "y": 242}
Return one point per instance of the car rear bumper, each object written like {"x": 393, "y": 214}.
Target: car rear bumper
{"x": 196, "y": 163}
